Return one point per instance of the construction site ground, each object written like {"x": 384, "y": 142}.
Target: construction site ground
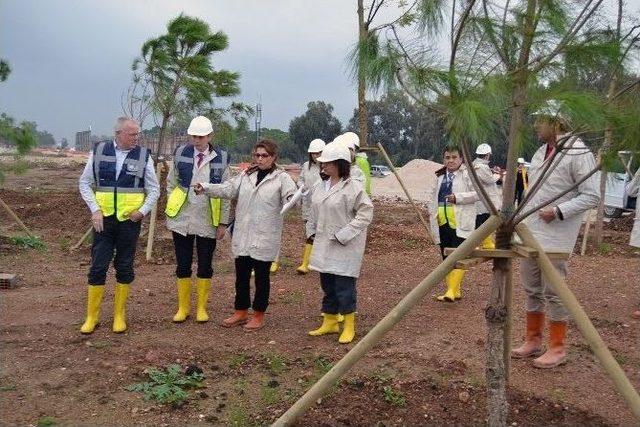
{"x": 429, "y": 370}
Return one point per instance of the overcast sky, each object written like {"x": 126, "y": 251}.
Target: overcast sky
{"x": 71, "y": 59}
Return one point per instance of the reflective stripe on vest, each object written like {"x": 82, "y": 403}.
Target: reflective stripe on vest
{"x": 183, "y": 167}
{"x": 123, "y": 194}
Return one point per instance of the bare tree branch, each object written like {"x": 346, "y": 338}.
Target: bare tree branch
{"x": 521, "y": 217}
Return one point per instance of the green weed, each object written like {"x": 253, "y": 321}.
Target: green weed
{"x": 269, "y": 394}
{"x": 605, "y": 248}
{"x": 394, "y": 397}
{"x": 46, "y": 422}
{"x": 168, "y": 385}
{"x": 323, "y": 366}
{"x": 238, "y": 417}
{"x": 29, "y": 242}
{"x": 277, "y": 363}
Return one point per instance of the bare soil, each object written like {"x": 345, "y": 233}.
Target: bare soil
{"x": 428, "y": 371}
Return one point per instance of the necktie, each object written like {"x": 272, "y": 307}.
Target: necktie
{"x": 450, "y": 183}
{"x": 200, "y": 157}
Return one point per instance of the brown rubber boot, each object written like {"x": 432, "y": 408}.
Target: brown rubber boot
{"x": 256, "y": 322}
{"x": 239, "y": 317}
{"x": 532, "y": 346}
{"x": 556, "y": 354}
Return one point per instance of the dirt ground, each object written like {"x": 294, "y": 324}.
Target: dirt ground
{"x": 428, "y": 371}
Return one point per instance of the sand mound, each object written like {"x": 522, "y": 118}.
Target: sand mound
{"x": 418, "y": 176}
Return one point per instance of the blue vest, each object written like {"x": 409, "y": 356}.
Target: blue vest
{"x": 183, "y": 163}
{"x": 104, "y": 167}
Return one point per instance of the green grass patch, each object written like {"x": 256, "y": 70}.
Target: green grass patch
{"x": 237, "y": 360}
{"x": 46, "y": 421}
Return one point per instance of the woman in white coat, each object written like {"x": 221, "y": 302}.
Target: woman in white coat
{"x": 632, "y": 190}
{"x": 341, "y": 211}
{"x": 309, "y": 177}
{"x": 485, "y": 175}
{"x": 260, "y": 192}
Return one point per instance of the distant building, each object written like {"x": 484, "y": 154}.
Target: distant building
{"x": 83, "y": 140}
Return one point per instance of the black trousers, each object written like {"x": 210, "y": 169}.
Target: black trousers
{"x": 121, "y": 236}
{"x": 339, "y": 293}
{"x": 183, "y": 246}
{"x": 481, "y": 218}
{"x": 244, "y": 266}
{"x": 519, "y": 196}
{"x": 448, "y": 238}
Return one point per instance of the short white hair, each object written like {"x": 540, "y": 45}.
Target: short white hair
{"x": 121, "y": 121}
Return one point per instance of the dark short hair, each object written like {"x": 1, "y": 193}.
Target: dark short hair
{"x": 269, "y": 145}
{"x": 311, "y": 161}
{"x": 344, "y": 168}
{"x": 451, "y": 149}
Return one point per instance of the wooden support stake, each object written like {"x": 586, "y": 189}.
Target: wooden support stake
{"x": 417, "y": 209}
{"x": 387, "y": 323}
{"x": 152, "y": 220}
{"x": 13, "y": 215}
{"x": 508, "y": 327}
{"x": 589, "y": 332}
{"x": 585, "y": 236}
{"x": 488, "y": 253}
{"x": 82, "y": 239}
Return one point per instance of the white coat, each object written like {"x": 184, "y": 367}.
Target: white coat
{"x": 632, "y": 190}
{"x": 339, "y": 219}
{"x": 356, "y": 174}
{"x": 195, "y": 215}
{"x": 464, "y": 208}
{"x": 257, "y": 231}
{"x": 561, "y": 235}
{"x": 481, "y": 166}
{"x": 309, "y": 177}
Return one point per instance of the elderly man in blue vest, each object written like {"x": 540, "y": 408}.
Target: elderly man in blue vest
{"x": 120, "y": 187}
{"x": 195, "y": 219}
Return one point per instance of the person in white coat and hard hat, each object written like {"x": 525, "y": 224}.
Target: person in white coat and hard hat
{"x": 348, "y": 141}
{"x": 485, "y": 175}
{"x": 555, "y": 227}
{"x": 633, "y": 188}
{"x": 360, "y": 159}
{"x": 341, "y": 211}
{"x": 452, "y": 214}
{"x": 260, "y": 193}
{"x": 309, "y": 177}
{"x": 196, "y": 220}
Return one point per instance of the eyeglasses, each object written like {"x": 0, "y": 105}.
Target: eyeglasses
{"x": 261, "y": 155}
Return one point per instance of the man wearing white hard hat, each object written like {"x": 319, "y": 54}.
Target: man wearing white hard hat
{"x": 119, "y": 185}
{"x": 341, "y": 211}
{"x": 485, "y": 175}
{"x": 361, "y": 159}
{"x": 555, "y": 227}
{"x": 195, "y": 219}
{"x": 522, "y": 181}
{"x": 309, "y": 177}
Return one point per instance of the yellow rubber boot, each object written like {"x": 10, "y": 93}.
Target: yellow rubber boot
{"x": 184, "y": 299}
{"x": 488, "y": 242}
{"x": 119, "y": 308}
{"x": 453, "y": 281}
{"x": 329, "y": 325}
{"x": 306, "y": 257}
{"x": 203, "y": 286}
{"x": 349, "y": 329}
{"x": 94, "y": 300}
{"x": 275, "y": 266}
{"x": 340, "y": 317}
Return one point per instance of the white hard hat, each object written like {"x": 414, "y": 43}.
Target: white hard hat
{"x": 316, "y": 146}
{"x": 352, "y": 137}
{"x": 483, "y": 149}
{"x": 345, "y": 141}
{"x": 200, "y": 126}
{"x": 520, "y": 160}
{"x": 334, "y": 151}
{"x": 552, "y": 108}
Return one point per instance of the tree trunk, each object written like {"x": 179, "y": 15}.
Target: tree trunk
{"x": 362, "y": 106}
{"x": 163, "y": 130}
